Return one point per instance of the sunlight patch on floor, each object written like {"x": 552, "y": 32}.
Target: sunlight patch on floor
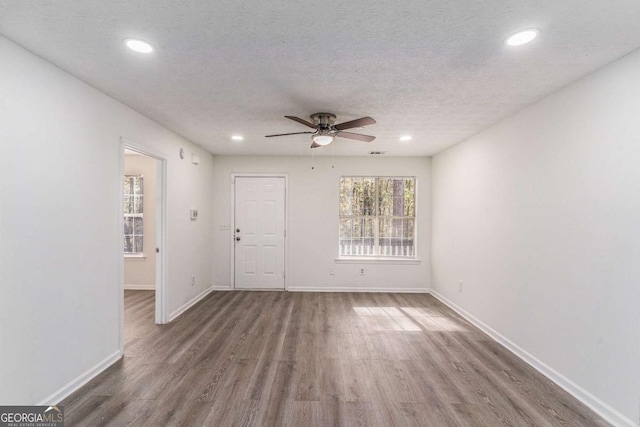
{"x": 386, "y": 319}
{"x": 408, "y": 319}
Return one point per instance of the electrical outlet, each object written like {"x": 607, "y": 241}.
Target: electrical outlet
{"x": 193, "y": 280}
{"x": 460, "y": 286}
{"x": 331, "y": 272}
{"x": 362, "y": 271}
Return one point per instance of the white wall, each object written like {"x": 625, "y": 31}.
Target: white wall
{"x": 60, "y": 239}
{"x": 540, "y": 217}
{"x": 313, "y": 220}
{"x": 140, "y": 272}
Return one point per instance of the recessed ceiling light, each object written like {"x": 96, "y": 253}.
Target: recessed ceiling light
{"x": 522, "y": 37}
{"x": 139, "y": 45}
{"x": 405, "y": 138}
{"x": 237, "y": 137}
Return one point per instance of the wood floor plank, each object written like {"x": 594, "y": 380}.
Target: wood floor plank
{"x": 316, "y": 359}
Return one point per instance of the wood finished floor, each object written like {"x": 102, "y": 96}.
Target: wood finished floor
{"x": 317, "y": 359}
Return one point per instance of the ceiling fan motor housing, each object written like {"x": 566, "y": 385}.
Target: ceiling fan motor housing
{"x": 324, "y": 120}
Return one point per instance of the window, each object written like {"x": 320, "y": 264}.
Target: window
{"x": 377, "y": 216}
{"x": 133, "y": 215}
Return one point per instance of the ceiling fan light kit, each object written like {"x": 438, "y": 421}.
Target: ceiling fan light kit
{"x": 326, "y": 130}
{"x": 322, "y": 139}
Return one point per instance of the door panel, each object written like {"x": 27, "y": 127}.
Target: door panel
{"x": 260, "y": 217}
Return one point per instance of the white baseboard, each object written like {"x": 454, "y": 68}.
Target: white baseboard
{"x": 352, "y": 289}
{"x": 140, "y": 287}
{"x": 334, "y": 289}
{"x": 81, "y": 380}
{"x": 600, "y": 407}
{"x": 186, "y": 306}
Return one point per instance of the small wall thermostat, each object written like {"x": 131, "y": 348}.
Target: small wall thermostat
{"x": 194, "y": 214}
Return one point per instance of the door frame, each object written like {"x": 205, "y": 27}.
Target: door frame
{"x": 161, "y": 312}
{"x": 233, "y": 219}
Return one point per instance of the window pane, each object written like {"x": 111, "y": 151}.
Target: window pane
{"x": 368, "y": 196}
{"x": 368, "y": 237}
{"x": 128, "y": 204}
{"x": 397, "y": 228}
{"x": 137, "y": 204}
{"x": 363, "y": 237}
{"x": 398, "y": 197}
{"x": 137, "y": 244}
{"x": 137, "y": 225}
{"x": 392, "y": 239}
{"x": 137, "y": 185}
{"x": 357, "y": 236}
{"x": 345, "y": 228}
{"x": 385, "y": 229}
{"x": 408, "y": 236}
{"x": 127, "y": 185}
{"x": 363, "y": 197}
{"x": 409, "y": 197}
{"x": 397, "y": 241}
{"x": 346, "y": 196}
{"x": 357, "y": 205}
{"x": 345, "y": 236}
{"x": 409, "y": 228}
{"x": 385, "y": 197}
{"x": 128, "y": 244}
{"x": 357, "y": 243}
{"x": 128, "y": 225}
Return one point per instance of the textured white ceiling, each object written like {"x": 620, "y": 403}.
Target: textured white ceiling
{"x": 437, "y": 70}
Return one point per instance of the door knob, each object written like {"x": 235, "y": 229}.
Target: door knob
{"x": 237, "y": 230}
{"x": 238, "y": 239}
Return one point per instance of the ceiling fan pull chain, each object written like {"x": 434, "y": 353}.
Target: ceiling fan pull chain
{"x": 333, "y": 155}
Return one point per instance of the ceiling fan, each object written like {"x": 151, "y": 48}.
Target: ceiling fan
{"x": 326, "y": 129}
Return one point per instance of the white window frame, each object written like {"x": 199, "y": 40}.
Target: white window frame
{"x": 135, "y": 215}
{"x": 377, "y": 257}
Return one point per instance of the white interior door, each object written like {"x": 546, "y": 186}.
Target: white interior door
{"x": 259, "y": 232}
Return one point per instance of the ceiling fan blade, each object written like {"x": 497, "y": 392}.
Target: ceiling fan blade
{"x": 301, "y": 121}
{"x": 285, "y": 134}
{"x": 315, "y": 145}
{"x": 357, "y": 136}
{"x": 355, "y": 123}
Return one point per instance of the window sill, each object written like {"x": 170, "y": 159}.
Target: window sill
{"x": 375, "y": 260}
{"x": 134, "y": 257}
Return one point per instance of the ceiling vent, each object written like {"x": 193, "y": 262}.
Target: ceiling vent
{"x": 377, "y": 153}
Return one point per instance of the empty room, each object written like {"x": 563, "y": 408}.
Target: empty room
{"x": 419, "y": 213}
